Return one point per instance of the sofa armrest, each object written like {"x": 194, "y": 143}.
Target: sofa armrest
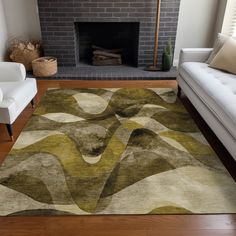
{"x": 194, "y": 55}
{"x": 1, "y": 95}
{"x": 12, "y": 72}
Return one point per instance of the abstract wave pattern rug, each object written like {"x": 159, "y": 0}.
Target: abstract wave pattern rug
{"x": 113, "y": 151}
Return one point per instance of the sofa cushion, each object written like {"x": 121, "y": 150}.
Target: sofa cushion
{"x": 219, "y": 43}
{"x": 216, "y": 89}
{"x": 226, "y": 57}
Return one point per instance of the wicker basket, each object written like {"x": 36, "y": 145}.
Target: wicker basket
{"x": 44, "y": 66}
{"x": 25, "y": 57}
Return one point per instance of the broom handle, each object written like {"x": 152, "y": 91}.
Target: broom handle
{"x": 157, "y": 28}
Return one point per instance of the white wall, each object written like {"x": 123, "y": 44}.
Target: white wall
{"x": 22, "y": 18}
{"x": 3, "y": 32}
{"x": 196, "y": 25}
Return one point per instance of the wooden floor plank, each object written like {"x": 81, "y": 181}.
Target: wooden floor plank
{"x": 136, "y": 223}
{"x": 193, "y": 225}
{"x": 192, "y": 233}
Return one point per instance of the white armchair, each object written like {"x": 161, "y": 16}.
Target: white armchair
{"x": 16, "y": 92}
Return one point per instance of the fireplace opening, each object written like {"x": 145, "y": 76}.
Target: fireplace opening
{"x": 117, "y": 42}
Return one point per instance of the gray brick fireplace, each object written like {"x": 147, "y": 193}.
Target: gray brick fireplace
{"x": 61, "y": 20}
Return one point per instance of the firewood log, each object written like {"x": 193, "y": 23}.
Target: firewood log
{"x": 107, "y": 62}
{"x": 117, "y": 50}
{"x": 100, "y": 57}
{"x": 107, "y": 54}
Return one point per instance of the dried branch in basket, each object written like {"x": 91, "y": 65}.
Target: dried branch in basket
{"x": 25, "y": 51}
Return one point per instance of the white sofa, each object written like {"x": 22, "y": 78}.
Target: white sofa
{"x": 212, "y": 92}
{"x": 16, "y": 92}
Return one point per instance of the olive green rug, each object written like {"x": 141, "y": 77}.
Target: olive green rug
{"x": 113, "y": 151}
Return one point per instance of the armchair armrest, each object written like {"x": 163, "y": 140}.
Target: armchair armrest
{"x": 7, "y": 111}
{"x": 12, "y": 72}
{"x": 194, "y": 55}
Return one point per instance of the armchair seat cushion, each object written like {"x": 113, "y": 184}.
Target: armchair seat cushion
{"x": 217, "y": 89}
{"x": 17, "y": 95}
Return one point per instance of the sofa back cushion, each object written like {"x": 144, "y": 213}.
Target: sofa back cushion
{"x": 226, "y": 57}
{"x": 12, "y": 72}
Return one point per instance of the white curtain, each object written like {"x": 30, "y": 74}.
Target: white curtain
{"x": 229, "y": 25}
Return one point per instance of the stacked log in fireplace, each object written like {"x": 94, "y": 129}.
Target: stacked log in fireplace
{"x": 106, "y": 57}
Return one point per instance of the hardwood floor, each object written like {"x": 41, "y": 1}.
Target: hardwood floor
{"x": 119, "y": 226}
{"x": 194, "y": 225}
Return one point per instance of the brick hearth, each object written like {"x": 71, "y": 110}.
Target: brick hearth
{"x": 123, "y": 72}
{"x": 58, "y": 19}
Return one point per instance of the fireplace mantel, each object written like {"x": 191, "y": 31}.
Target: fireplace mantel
{"x": 57, "y": 19}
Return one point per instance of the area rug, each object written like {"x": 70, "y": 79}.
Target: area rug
{"x": 113, "y": 151}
